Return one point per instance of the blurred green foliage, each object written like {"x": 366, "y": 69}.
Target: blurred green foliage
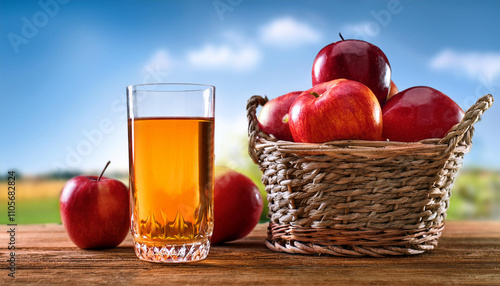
{"x": 30, "y": 211}
{"x": 44, "y": 210}
{"x": 475, "y": 196}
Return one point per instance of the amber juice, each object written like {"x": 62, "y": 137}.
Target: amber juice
{"x": 171, "y": 179}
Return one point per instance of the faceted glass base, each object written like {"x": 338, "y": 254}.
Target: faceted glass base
{"x": 173, "y": 252}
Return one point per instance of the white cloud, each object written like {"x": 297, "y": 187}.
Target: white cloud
{"x": 160, "y": 60}
{"x": 360, "y": 31}
{"x": 225, "y": 57}
{"x": 155, "y": 70}
{"x": 287, "y": 31}
{"x": 474, "y": 65}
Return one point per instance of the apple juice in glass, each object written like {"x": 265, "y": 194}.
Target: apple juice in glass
{"x": 171, "y": 158}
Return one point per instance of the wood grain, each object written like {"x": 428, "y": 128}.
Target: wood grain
{"x": 468, "y": 254}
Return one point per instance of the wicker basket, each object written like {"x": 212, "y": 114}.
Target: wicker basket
{"x": 359, "y": 198}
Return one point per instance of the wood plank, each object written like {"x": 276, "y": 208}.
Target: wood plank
{"x": 468, "y": 254}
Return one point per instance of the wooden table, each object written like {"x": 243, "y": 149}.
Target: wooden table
{"x": 468, "y": 254}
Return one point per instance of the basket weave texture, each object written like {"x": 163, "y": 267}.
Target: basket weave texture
{"x": 359, "y": 198}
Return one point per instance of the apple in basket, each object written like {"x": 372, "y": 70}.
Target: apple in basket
{"x": 273, "y": 118}
{"x": 356, "y": 60}
{"x": 340, "y": 109}
{"x": 95, "y": 211}
{"x": 419, "y": 113}
{"x": 393, "y": 91}
{"x": 237, "y": 205}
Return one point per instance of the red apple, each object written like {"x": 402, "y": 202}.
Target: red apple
{"x": 392, "y": 91}
{"x": 273, "y": 118}
{"x": 419, "y": 113}
{"x": 237, "y": 206}
{"x": 356, "y": 60}
{"x": 95, "y": 211}
{"x": 340, "y": 109}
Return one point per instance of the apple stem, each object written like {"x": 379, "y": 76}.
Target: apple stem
{"x": 102, "y": 173}
{"x": 341, "y": 37}
{"x": 315, "y": 94}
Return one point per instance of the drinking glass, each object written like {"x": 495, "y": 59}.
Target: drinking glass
{"x": 171, "y": 159}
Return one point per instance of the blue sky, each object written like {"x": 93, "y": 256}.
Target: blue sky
{"x": 64, "y": 65}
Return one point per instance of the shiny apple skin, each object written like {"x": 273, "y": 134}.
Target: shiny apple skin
{"x": 271, "y": 118}
{"x": 419, "y": 113}
{"x": 95, "y": 214}
{"x": 344, "y": 110}
{"x": 237, "y": 206}
{"x": 393, "y": 91}
{"x": 356, "y": 60}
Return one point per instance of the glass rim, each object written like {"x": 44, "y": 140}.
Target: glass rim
{"x": 200, "y": 86}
